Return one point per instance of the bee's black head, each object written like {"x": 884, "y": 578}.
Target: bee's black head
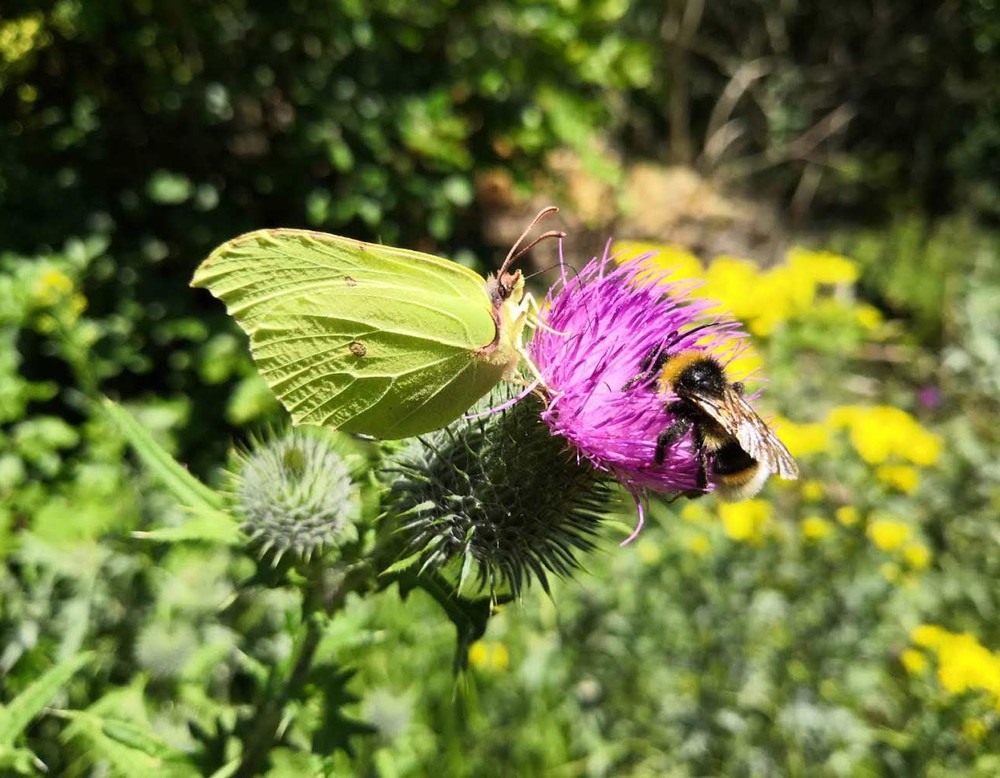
{"x": 702, "y": 376}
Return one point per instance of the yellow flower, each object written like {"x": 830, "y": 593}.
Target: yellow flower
{"x": 812, "y": 491}
{"x": 888, "y": 533}
{"x": 881, "y": 431}
{"x": 729, "y": 280}
{"x": 917, "y": 556}
{"x": 697, "y": 544}
{"x": 479, "y": 655}
{"x": 974, "y": 729}
{"x": 923, "y": 447}
{"x": 747, "y": 520}
{"x": 795, "y": 283}
{"x": 648, "y": 552}
{"x": 815, "y": 528}
{"x": 489, "y": 656}
{"x": 500, "y": 658}
{"x": 19, "y": 37}
{"x": 963, "y": 664}
{"x": 843, "y": 415}
{"x": 868, "y": 316}
{"x": 695, "y": 512}
{"x": 914, "y": 661}
{"x": 802, "y": 439}
{"x": 52, "y": 286}
{"x": 680, "y": 263}
{"x": 929, "y": 635}
{"x": 875, "y": 431}
{"x": 847, "y": 515}
{"x": 890, "y": 571}
{"x": 902, "y": 477}
{"x": 823, "y": 267}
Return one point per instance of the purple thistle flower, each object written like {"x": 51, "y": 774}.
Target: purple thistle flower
{"x": 599, "y": 327}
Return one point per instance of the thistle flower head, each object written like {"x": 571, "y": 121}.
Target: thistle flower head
{"x": 497, "y": 496}
{"x": 296, "y": 496}
{"x": 600, "y": 327}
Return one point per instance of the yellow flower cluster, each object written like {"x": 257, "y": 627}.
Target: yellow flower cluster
{"x": 886, "y": 437}
{"x": 888, "y": 533}
{"x": 894, "y": 536}
{"x": 905, "y": 478}
{"x": 815, "y": 528}
{"x": 54, "y": 288}
{"x": 761, "y": 298}
{"x": 18, "y": 37}
{"x": 51, "y": 286}
{"x": 882, "y": 433}
{"x": 847, "y": 515}
{"x": 963, "y": 663}
{"x": 803, "y": 439}
{"x": 489, "y": 656}
{"x": 748, "y": 521}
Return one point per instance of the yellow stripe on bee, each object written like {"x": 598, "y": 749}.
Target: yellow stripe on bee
{"x": 678, "y": 363}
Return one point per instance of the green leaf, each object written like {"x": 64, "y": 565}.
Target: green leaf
{"x": 188, "y": 490}
{"x": 20, "y": 761}
{"x": 402, "y": 564}
{"x": 116, "y": 730}
{"x": 226, "y": 770}
{"x": 207, "y": 526}
{"x": 337, "y": 728}
{"x": 130, "y": 749}
{"x": 16, "y": 715}
{"x": 169, "y": 188}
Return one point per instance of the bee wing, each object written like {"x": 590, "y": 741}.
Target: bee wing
{"x": 750, "y": 430}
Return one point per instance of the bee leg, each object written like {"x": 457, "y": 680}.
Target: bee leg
{"x": 649, "y": 366}
{"x": 701, "y": 480}
{"x": 669, "y": 436}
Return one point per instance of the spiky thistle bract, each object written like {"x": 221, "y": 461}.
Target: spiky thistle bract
{"x": 496, "y": 498}
{"x": 295, "y": 494}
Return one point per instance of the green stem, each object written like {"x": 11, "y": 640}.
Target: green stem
{"x": 319, "y": 601}
{"x": 79, "y": 361}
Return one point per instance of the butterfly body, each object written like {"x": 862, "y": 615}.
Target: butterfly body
{"x": 362, "y": 337}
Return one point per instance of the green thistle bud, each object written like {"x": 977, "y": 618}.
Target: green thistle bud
{"x": 296, "y": 496}
{"x": 498, "y": 495}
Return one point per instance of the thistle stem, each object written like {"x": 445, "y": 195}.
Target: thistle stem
{"x": 319, "y": 600}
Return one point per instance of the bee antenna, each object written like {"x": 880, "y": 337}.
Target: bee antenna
{"x": 517, "y": 250}
{"x": 678, "y": 335}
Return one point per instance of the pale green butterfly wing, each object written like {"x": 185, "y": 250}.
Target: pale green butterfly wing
{"x": 356, "y": 336}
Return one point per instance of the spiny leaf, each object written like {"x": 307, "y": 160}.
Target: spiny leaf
{"x": 116, "y": 731}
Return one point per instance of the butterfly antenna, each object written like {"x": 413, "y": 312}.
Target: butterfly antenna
{"x": 517, "y": 250}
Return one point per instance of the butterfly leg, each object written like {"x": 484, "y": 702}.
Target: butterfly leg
{"x": 532, "y": 367}
{"x": 533, "y": 313}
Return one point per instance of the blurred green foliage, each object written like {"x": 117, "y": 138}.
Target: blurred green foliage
{"x": 135, "y": 136}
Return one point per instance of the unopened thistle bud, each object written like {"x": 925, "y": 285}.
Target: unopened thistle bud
{"x": 496, "y": 496}
{"x": 296, "y": 496}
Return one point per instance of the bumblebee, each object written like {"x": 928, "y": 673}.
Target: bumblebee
{"x": 730, "y": 440}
